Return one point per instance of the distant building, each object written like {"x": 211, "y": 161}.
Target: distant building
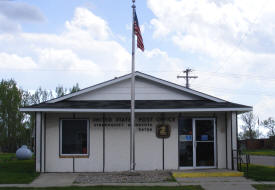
{"x": 176, "y": 128}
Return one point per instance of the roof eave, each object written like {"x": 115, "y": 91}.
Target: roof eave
{"x": 246, "y": 109}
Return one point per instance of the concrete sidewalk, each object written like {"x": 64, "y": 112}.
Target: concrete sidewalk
{"x": 49, "y": 180}
{"x": 208, "y": 183}
{"x": 217, "y": 183}
{"x": 55, "y": 179}
{"x": 224, "y": 183}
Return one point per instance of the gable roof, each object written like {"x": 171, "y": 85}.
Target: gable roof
{"x": 206, "y": 104}
{"x": 140, "y": 75}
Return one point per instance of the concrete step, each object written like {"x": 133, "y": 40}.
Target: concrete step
{"x": 207, "y": 173}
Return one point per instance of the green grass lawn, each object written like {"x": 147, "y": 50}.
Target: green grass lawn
{"x": 260, "y": 173}
{"x": 6, "y": 156}
{"x": 264, "y": 152}
{"x": 13, "y": 171}
{"x": 264, "y": 187}
{"x": 112, "y": 188}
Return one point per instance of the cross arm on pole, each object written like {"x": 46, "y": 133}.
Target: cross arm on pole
{"x": 187, "y": 76}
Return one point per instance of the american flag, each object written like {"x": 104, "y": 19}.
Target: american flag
{"x": 138, "y": 33}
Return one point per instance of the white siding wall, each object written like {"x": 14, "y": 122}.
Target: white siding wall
{"x": 221, "y": 140}
{"x": 37, "y": 140}
{"x": 145, "y": 90}
{"x": 43, "y": 142}
{"x": 171, "y": 147}
{"x": 149, "y": 151}
{"x": 229, "y": 140}
{"x": 117, "y": 148}
{"x": 40, "y": 142}
{"x": 148, "y": 148}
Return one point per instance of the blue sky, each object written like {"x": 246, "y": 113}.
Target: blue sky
{"x": 229, "y": 44}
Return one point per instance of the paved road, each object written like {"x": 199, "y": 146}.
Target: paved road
{"x": 262, "y": 160}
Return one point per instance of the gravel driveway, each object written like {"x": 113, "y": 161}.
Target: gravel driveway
{"x": 124, "y": 177}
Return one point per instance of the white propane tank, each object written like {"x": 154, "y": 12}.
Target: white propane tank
{"x": 23, "y": 153}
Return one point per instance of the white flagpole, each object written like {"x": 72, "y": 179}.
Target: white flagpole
{"x": 132, "y": 129}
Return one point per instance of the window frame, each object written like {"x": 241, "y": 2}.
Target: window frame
{"x": 61, "y": 155}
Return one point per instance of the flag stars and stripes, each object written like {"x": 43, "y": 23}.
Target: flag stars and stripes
{"x": 137, "y": 31}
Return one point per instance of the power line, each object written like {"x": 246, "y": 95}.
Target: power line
{"x": 154, "y": 71}
{"x": 247, "y": 76}
{"x": 248, "y": 92}
{"x": 217, "y": 74}
{"x": 226, "y": 59}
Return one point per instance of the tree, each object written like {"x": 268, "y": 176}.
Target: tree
{"x": 60, "y": 91}
{"x": 13, "y": 130}
{"x": 41, "y": 95}
{"x": 29, "y": 118}
{"x": 270, "y": 125}
{"x": 249, "y": 126}
{"x": 75, "y": 88}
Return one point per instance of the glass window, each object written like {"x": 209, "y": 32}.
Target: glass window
{"x": 74, "y": 136}
{"x": 204, "y": 130}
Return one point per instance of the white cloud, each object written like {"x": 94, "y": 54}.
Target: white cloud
{"x": 204, "y": 16}
{"x": 85, "y": 48}
{"x": 265, "y": 107}
{"x": 11, "y": 61}
{"x": 158, "y": 63}
{"x": 160, "y": 29}
{"x": 66, "y": 58}
{"x": 232, "y": 36}
{"x": 85, "y": 21}
{"x": 213, "y": 28}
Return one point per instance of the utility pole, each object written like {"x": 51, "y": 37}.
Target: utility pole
{"x": 187, "y": 77}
